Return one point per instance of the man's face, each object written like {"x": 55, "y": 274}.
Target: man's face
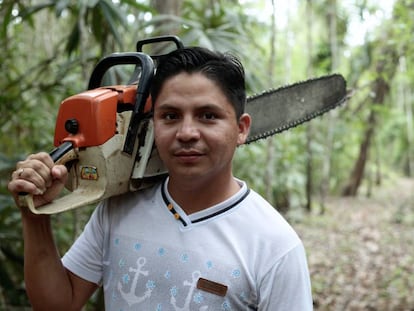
{"x": 196, "y": 130}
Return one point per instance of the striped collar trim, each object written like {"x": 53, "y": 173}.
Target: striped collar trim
{"x": 185, "y": 220}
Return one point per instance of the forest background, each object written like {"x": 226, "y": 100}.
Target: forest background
{"x": 49, "y": 49}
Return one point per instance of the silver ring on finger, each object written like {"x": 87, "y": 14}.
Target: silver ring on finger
{"x": 20, "y": 172}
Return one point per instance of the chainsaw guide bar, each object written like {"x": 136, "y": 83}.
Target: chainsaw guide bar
{"x": 275, "y": 111}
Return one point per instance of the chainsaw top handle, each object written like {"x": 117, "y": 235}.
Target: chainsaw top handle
{"x": 126, "y": 58}
{"x": 169, "y": 38}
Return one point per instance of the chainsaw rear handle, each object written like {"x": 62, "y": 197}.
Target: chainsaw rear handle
{"x": 143, "y": 89}
{"x": 60, "y": 155}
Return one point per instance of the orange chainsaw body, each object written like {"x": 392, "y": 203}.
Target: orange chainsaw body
{"x": 92, "y": 115}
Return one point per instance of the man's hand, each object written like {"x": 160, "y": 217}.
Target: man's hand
{"x": 39, "y": 176}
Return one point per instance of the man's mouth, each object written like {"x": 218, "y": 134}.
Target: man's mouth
{"x": 188, "y": 155}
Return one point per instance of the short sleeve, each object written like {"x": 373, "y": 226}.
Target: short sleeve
{"x": 85, "y": 257}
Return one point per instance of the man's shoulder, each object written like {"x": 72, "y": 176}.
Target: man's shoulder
{"x": 125, "y": 203}
{"x": 259, "y": 203}
{"x": 144, "y": 193}
{"x": 268, "y": 221}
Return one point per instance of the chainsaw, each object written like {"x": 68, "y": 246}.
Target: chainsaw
{"x": 105, "y": 135}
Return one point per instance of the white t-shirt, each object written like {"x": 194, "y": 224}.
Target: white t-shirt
{"x": 238, "y": 255}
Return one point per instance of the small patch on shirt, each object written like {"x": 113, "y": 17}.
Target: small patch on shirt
{"x": 212, "y": 287}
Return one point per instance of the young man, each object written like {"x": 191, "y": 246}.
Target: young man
{"x": 200, "y": 240}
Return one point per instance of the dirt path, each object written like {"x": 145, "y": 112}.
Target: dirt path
{"x": 361, "y": 251}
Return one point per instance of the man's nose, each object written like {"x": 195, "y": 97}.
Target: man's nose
{"x": 188, "y": 130}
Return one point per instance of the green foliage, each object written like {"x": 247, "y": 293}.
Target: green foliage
{"x": 251, "y": 160}
{"x": 11, "y": 244}
{"x": 323, "y": 57}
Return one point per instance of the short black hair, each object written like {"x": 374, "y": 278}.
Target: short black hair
{"x": 224, "y": 69}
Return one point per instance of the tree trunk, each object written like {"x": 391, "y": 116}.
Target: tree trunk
{"x": 410, "y": 134}
{"x": 358, "y": 171}
{"x": 327, "y": 162}
{"x": 380, "y": 89}
{"x": 170, "y": 7}
{"x": 270, "y": 158}
{"x": 309, "y": 127}
{"x": 405, "y": 98}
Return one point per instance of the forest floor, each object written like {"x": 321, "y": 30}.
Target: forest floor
{"x": 361, "y": 250}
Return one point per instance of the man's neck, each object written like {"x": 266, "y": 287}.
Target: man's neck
{"x": 196, "y": 196}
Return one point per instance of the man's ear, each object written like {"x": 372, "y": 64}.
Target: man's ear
{"x": 244, "y": 126}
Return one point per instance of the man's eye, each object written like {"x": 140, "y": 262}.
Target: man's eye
{"x": 209, "y": 116}
{"x": 170, "y": 116}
